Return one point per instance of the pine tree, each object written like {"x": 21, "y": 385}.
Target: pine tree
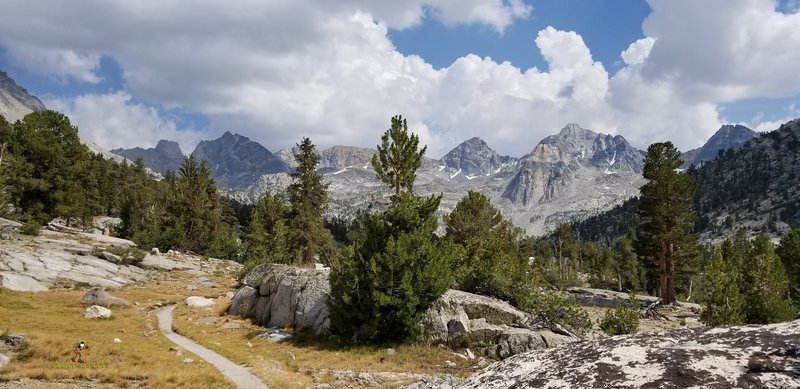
{"x": 398, "y": 157}
{"x": 723, "y": 300}
{"x": 789, "y": 252}
{"x": 767, "y": 292}
{"x": 49, "y": 164}
{"x": 396, "y": 267}
{"x": 666, "y": 208}
{"x": 494, "y": 260}
{"x": 267, "y": 238}
{"x": 629, "y": 270}
{"x": 308, "y": 197}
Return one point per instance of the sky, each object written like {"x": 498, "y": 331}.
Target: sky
{"x": 129, "y": 73}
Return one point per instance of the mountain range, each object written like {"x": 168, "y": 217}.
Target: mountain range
{"x": 568, "y": 176}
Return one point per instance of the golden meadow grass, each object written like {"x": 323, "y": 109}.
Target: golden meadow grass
{"x": 54, "y": 322}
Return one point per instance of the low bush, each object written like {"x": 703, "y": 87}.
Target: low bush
{"x": 622, "y": 319}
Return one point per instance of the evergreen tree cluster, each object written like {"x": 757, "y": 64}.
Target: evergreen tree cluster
{"x": 747, "y": 282}
{"x": 46, "y": 173}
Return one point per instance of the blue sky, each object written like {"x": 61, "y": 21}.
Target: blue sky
{"x": 129, "y": 74}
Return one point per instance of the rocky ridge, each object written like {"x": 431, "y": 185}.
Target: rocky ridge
{"x": 567, "y": 176}
{"x": 15, "y": 101}
{"x": 167, "y": 155}
{"x": 742, "y": 357}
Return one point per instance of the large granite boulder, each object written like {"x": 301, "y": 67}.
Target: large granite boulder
{"x": 277, "y": 295}
{"x": 725, "y": 357}
{"x": 493, "y": 327}
{"x": 98, "y": 296}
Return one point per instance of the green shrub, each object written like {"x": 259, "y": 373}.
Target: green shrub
{"x": 30, "y": 228}
{"x": 552, "y": 308}
{"x": 622, "y": 319}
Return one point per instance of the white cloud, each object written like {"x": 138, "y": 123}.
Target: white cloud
{"x": 113, "y": 120}
{"x": 638, "y": 51}
{"x": 61, "y": 64}
{"x": 279, "y": 70}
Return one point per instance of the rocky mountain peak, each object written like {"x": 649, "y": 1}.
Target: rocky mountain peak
{"x": 238, "y": 161}
{"x": 169, "y": 147}
{"x": 15, "y": 101}
{"x": 474, "y": 157}
{"x": 729, "y": 136}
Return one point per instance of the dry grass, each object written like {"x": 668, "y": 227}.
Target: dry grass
{"x": 54, "y": 322}
{"x": 295, "y": 364}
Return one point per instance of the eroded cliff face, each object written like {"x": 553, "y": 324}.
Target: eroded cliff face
{"x": 765, "y": 356}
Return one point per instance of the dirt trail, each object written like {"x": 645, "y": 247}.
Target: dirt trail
{"x": 240, "y": 375}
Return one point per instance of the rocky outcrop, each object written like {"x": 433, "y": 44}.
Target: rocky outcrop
{"x": 276, "y": 295}
{"x": 61, "y": 259}
{"x": 735, "y": 357}
{"x": 98, "y": 296}
{"x": 493, "y": 327}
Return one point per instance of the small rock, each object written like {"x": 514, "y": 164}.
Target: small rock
{"x": 5, "y": 237}
{"x": 117, "y": 340}
{"x": 391, "y": 351}
{"x": 188, "y": 360}
{"x": 464, "y": 357}
{"x": 323, "y": 386}
{"x": 110, "y": 257}
{"x": 154, "y": 251}
{"x": 449, "y": 363}
{"x": 249, "y": 345}
{"x": 470, "y": 354}
{"x": 203, "y": 281}
{"x": 230, "y": 294}
{"x": 97, "y": 312}
{"x": 292, "y": 357}
{"x": 4, "y": 360}
{"x": 16, "y": 342}
{"x": 231, "y": 326}
{"x": 191, "y": 287}
{"x": 199, "y": 302}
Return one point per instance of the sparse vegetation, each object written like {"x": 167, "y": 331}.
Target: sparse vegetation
{"x": 622, "y": 319}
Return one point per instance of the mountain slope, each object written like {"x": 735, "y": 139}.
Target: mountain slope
{"x": 15, "y": 101}
{"x": 167, "y": 155}
{"x": 755, "y": 188}
{"x": 727, "y": 137}
{"x": 238, "y": 161}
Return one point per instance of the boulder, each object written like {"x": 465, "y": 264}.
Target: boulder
{"x": 16, "y": 342}
{"x": 4, "y": 360}
{"x": 281, "y": 295}
{"x": 97, "y": 312}
{"x": 98, "y": 296}
{"x": 493, "y": 327}
{"x": 199, "y": 302}
{"x": 765, "y": 356}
